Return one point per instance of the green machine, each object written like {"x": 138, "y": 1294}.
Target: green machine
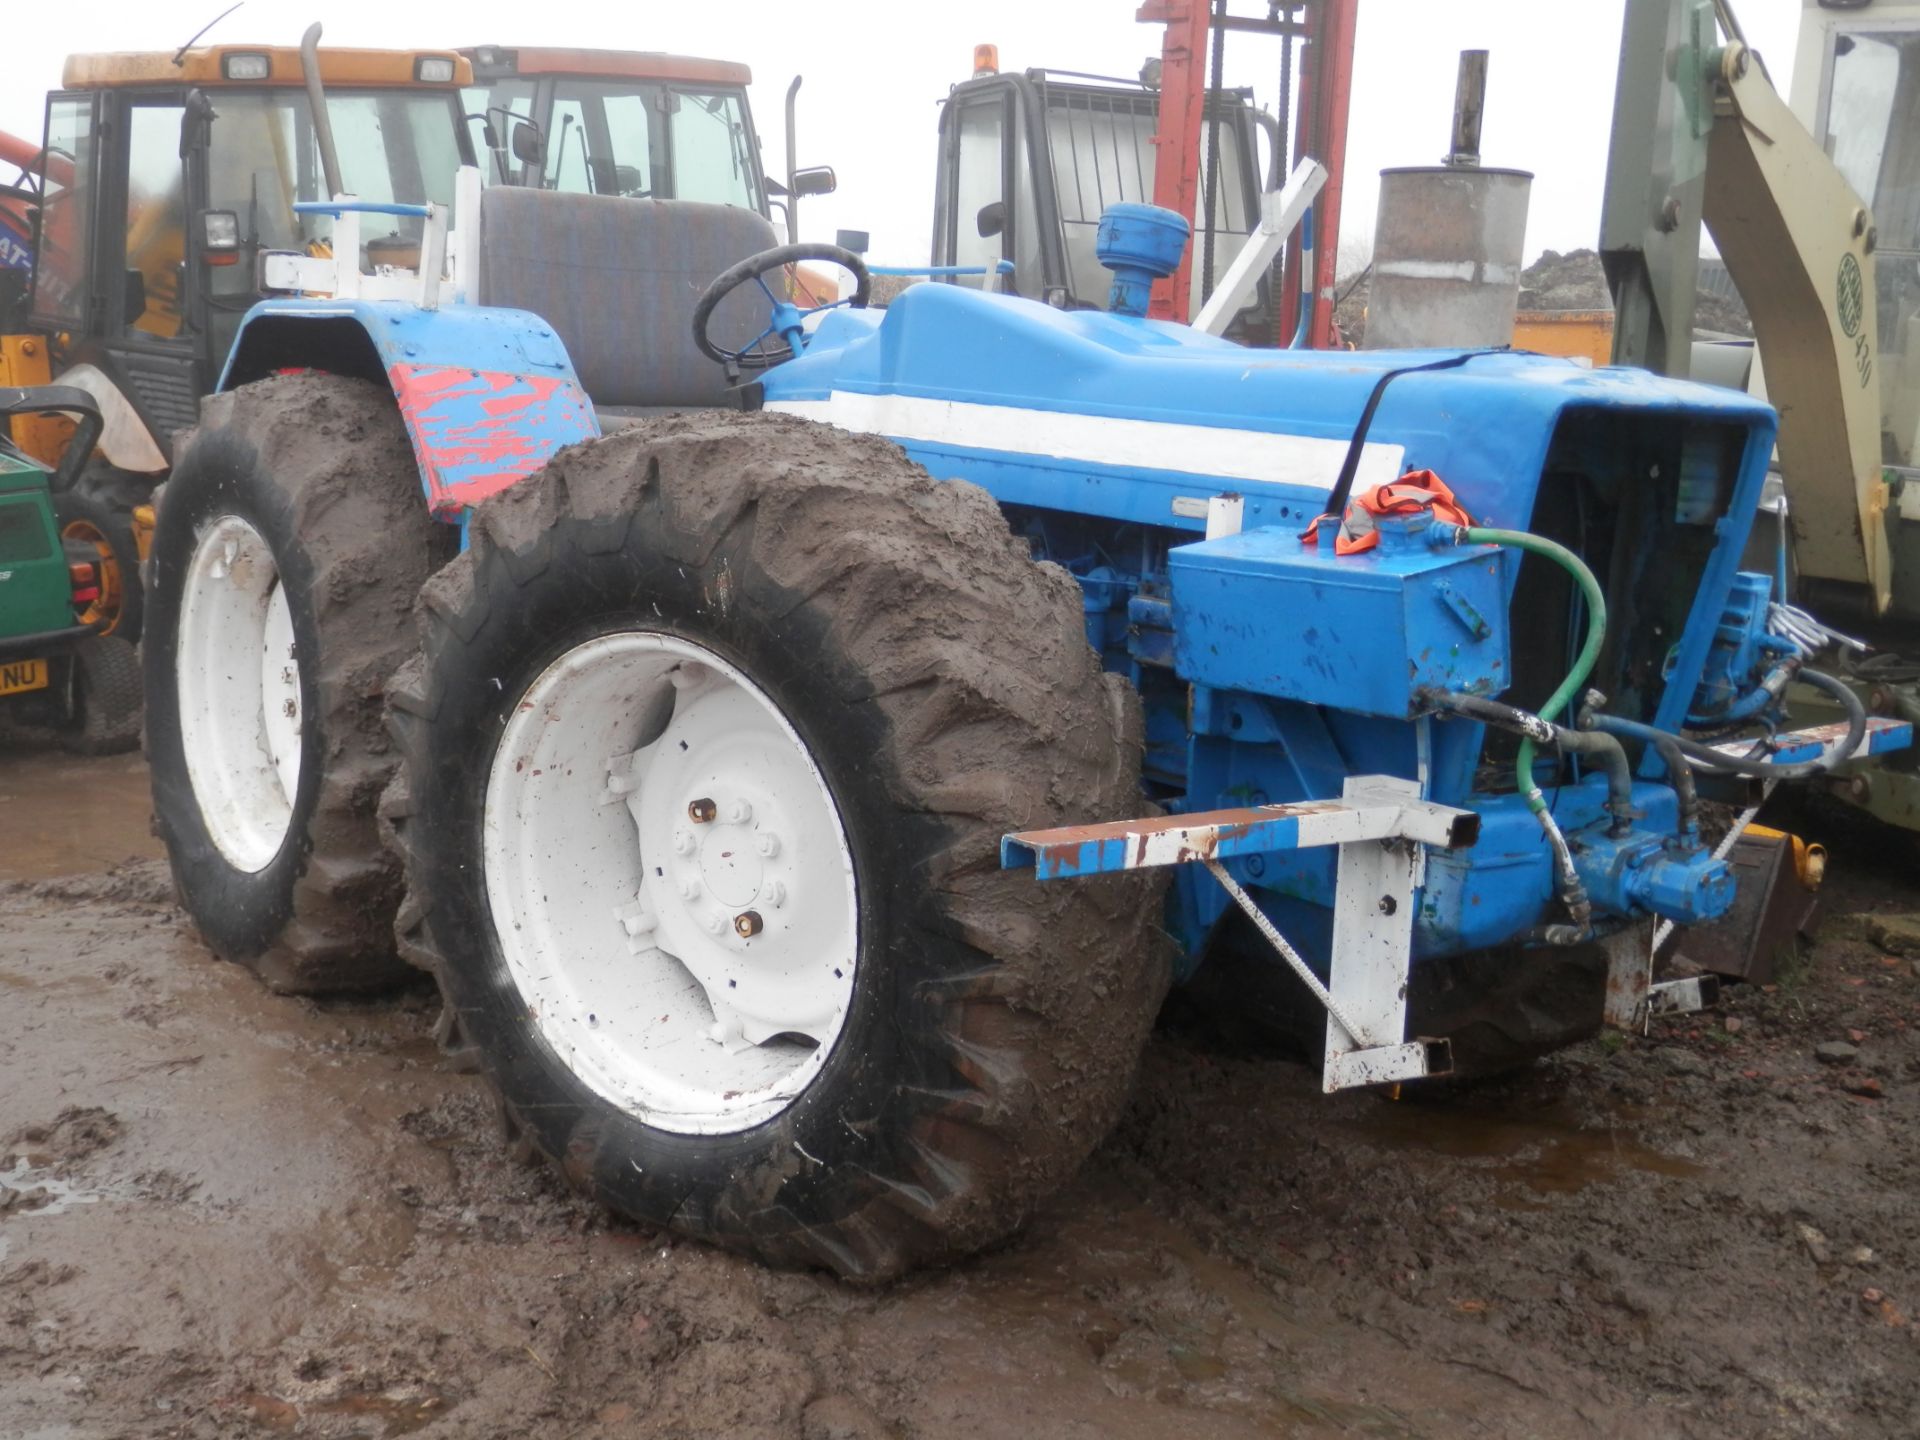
{"x": 58, "y": 673}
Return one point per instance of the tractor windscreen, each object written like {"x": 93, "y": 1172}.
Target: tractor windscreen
{"x": 394, "y": 145}
{"x": 641, "y": 139}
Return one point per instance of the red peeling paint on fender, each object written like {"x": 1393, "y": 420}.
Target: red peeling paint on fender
{"x": 476, "y": 432}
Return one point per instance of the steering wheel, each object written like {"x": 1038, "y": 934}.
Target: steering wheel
{"x": 786, "y": 317}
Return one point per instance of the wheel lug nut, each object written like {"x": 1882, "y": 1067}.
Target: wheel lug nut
{"x": 701, "y": 811}
{"x": 747, "y": 924}
{"x": 715, "y": 922}
{"x": 776, "y": 893}
{"x": 690, "y": 889}
{"x": 683, "y": 842}
{"x": 739, "y": 812}
{"x": 767, "y": 843}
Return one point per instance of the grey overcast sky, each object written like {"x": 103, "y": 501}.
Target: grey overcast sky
{"x": 875, "y": 70}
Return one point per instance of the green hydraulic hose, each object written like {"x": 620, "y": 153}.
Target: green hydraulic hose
{"x": 1589, "y": 652}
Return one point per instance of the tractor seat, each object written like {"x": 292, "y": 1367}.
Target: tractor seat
{"x": 617, "y": 279}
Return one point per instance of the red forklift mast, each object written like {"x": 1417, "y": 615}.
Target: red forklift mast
{"x": 1325, "y": 90}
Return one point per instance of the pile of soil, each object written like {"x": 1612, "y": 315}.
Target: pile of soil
{"x": 1574, "y": 281}
{"x": 1571, "y": 281}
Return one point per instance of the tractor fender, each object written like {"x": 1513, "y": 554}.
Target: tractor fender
{"x": 488, "y": 395}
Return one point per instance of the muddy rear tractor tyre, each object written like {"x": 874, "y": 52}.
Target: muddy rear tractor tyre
{"x": 290, "y": 548}
{"x": 108, "y": 532}
{"x": 106, "y": 698}
{"x": 708, "y": 755}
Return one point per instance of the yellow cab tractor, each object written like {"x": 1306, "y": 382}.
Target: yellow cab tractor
{"x": 160, "y": 181}
{"x": 163, "y": 178}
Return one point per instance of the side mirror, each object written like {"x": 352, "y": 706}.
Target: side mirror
{"x": 136, "y": 297}
{"x": 816, "y": 180}
{"x": 992, "y": 218}
{"x": 529, "y": 147}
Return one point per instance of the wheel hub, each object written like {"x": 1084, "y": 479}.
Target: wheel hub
{"x": 729, "y": 866}
{"x": 670, "y": 882}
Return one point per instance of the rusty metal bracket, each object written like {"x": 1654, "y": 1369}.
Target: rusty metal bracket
{"x": 1374, "y": 807}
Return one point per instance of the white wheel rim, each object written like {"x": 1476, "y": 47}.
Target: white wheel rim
{"x": 624, "y": 921}
{"x": 238, "y": 682}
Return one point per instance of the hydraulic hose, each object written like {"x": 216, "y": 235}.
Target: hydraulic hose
{"x": 1531, "y": 728}
{"x": 1600, "y": 747}
{"x": 1707, "y": 758}
{"x": 1589, "y": 652}
{"x": 1679, "y": 773}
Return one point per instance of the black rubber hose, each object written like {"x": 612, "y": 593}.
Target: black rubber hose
{"x": 1606, "y": 750}
{"x": 1506, "y": 717}
{"x": 1603, "y": 748}
{"x": 1679, "y": 773}
{"x": 1710, "y": 759}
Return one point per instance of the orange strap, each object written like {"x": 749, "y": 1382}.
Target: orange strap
{"x": 1414, "y": 491}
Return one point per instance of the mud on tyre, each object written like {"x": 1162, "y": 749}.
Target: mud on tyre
{"x": 716, "y": 729}
{"x": 290, "y": 545}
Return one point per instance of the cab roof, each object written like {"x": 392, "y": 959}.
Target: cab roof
{"x": 493, "y": 61}
{"x": 206, "y": 66}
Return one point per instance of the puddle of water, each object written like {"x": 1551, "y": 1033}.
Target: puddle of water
{"x": 1546, "y": 1152}
{"x": 55, "y": 1196}
{"x": 73, "y": 815}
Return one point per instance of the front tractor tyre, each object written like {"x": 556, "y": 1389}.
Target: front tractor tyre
{"x": 290, "y": 545}
{"x": 715, "y": 732}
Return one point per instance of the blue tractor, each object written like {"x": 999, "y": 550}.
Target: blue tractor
{"x": 805, "y": 791}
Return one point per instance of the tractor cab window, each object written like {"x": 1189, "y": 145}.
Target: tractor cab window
{"x": 601, "y": 140}
{"x": 156, "y": 220}
{"x": 394, "y": 145}
{"x": 1873, "y": 132}
{"x": 1101, "y": 146}
{"x": 712, "y": 149}
{"x": 65, "y": 177}
{"x": 979, "y": 195}
{"x": 392, "y": 148}
{"x": 497, "y": 108}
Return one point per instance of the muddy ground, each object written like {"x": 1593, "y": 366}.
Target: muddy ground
{"x": 227, "y": 1214}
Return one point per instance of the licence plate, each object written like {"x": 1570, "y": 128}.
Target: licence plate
{"x": 19, "y": 675}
